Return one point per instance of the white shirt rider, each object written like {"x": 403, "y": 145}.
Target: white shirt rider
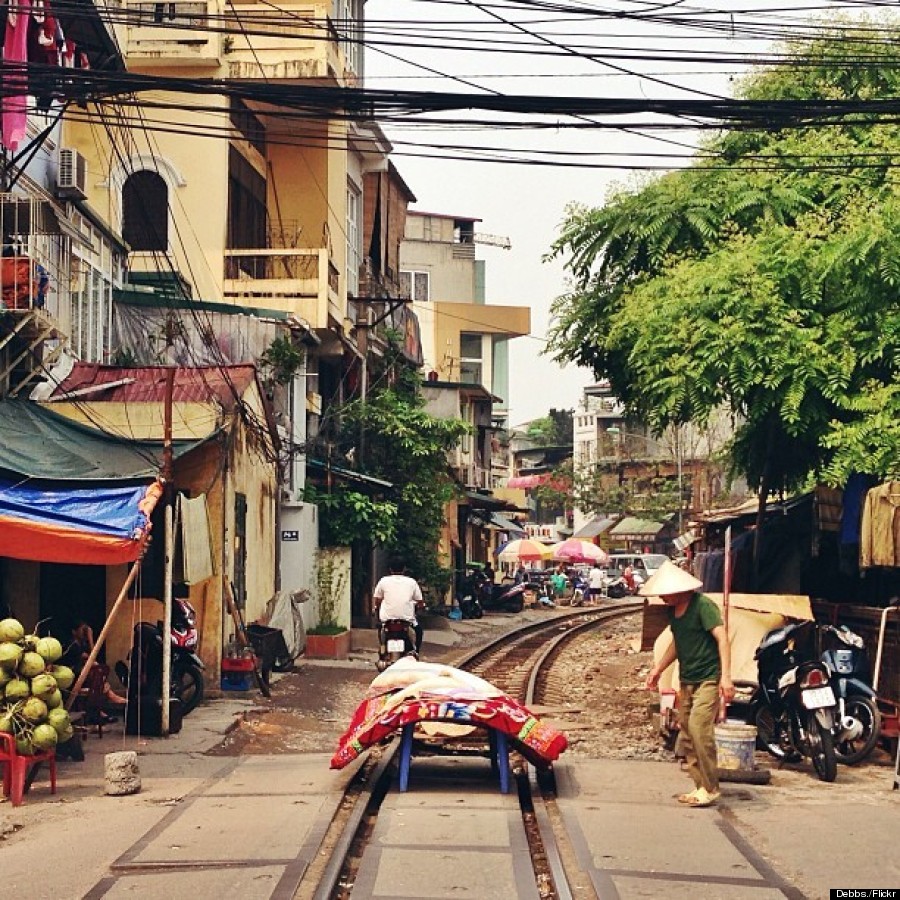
{"x": 397, "y": 597}
{"x": 595, "y": 578}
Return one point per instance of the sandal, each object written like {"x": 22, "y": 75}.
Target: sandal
{"x": 701, "y": 798}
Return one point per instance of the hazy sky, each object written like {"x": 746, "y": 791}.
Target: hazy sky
{"x": 526, "y": 203}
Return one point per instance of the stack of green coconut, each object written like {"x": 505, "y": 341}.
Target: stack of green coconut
{"x": 31, "y": 701}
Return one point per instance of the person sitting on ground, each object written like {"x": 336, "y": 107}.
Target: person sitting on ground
{"x": 397, "y": 596}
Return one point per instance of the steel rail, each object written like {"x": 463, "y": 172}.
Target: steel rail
{"x": 378, "y": 780}
{"x": 328, "y": 882}
{"x": 542, "y": 821}
{"x": 565, "y": 637}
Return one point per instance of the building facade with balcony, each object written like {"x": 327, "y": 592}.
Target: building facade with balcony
{"x": 246, "y": 222}
{"x": 465, "y": 351}
{"x": 464, "y": 338}
{"x": 622, "y": 450}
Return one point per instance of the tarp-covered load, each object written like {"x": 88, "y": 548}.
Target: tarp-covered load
{"x": 423, "y": 693}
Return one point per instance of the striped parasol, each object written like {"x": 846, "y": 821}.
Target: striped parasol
{"x": 523, "y": 550}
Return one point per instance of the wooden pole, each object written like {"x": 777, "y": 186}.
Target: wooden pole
{"x": 726, "y": 606}
{"x": 98, "y": 643}
{"x": 168, "y": 498}
{"x": 726, "y": 585}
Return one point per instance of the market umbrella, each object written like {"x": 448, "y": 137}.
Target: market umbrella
{"x": 523, "y": 550}
{"x": 577, "y": 550}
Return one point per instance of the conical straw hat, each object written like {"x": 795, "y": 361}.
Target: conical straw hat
{"x": 669, "y": 579}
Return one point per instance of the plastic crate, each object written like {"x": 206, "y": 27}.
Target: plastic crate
{"x": 235, "y": 681}
{"x": 239, "y": 664}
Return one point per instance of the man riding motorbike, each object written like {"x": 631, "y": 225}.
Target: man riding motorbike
{"x": 397, "y": 596}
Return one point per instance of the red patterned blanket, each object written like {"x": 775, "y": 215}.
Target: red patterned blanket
{"x": 419, "y": 692}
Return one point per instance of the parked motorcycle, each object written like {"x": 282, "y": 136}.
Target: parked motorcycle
{"x": 507, "y": 596}
{"x": 857, "y": 725}
{"x": 794, "y": 706}
{"x": 396, "y": 639}
{"x": 580, "y": 587}
{"x": 143, "y": 676}
{"x": 470, "y": 606}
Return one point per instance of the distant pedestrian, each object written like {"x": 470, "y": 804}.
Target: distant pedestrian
{"x": 700, "y": 644}
{"x": 595, "y": 583}
{"x": 559, "y": 581}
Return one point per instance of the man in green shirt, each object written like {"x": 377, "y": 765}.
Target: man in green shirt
{"x": 700, "y": 644}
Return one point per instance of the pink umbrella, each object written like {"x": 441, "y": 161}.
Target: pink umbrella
{"x": 577, "y": 550}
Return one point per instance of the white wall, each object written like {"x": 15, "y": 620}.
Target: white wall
{"x": 298, "y": 558}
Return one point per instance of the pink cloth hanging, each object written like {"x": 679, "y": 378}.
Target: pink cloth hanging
{"x": 15, "y": 50}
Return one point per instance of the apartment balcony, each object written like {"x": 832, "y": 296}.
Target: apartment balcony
{"x": 285, "y": 42}
{"x": 173, "y": 35}
{"x": 294, "y": 280}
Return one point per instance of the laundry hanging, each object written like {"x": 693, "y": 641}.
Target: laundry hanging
{"x": 15, "y": 81}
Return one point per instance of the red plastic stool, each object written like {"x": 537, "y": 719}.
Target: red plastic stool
{"x": 16, "y": 766}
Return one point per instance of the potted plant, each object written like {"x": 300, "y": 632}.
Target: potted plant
{"x": 330, "y": 639}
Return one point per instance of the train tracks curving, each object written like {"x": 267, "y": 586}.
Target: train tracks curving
{"x": 516, "y": 663}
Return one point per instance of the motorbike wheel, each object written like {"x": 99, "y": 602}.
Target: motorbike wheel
{"x": 189, "y": 687}
{"x": 767, "y": 736}
{"x": 821, "y": 748}
{"x": 865, "y": 710}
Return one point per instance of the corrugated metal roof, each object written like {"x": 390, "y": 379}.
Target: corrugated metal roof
{"x": 596, "y": 526}
{"x": 632, "y": 525}
{"x": 147, "y": 384}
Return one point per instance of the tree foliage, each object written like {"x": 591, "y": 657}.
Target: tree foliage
{"x": 556, "y": 429}
{"x": 763, "y": 278}
{"x": 395, "y": 439}
{"x": 607, "y": 489}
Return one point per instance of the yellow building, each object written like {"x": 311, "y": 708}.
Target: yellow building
{"x": 465, "y": 345}
{"x": 245, "y": 203}
{"x": 464, "y": 338}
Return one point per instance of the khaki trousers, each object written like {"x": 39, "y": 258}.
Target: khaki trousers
{"x": 697, "y": 711}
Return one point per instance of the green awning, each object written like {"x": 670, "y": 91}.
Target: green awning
{"x": 40, "y": 444}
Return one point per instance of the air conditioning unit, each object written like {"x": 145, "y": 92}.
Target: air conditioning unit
{"x": 71, "y": 178}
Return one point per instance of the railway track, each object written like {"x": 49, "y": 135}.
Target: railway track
{"x": 516, "y": 663}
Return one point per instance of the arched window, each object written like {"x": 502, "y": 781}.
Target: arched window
{"x": 145, "y": 211}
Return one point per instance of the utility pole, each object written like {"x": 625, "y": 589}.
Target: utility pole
{"x": 362, "y": 343}
{"x": 168, "y": 499}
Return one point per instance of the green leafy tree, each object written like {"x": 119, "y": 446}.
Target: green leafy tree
{"x": 404, "y": 444}
{"x": 764, "y": 278}
{"x": 553, "y": 430}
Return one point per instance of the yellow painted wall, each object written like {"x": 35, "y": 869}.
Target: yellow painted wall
{"x": 452, "y": 319}
{"x": 197, "y": 178}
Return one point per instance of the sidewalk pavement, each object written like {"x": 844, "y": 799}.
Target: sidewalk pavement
{"x": 60, "y": 845}
{"x": 795, "y": 837}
